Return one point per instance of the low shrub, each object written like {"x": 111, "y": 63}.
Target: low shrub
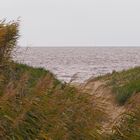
{"x": 9, "y": 34}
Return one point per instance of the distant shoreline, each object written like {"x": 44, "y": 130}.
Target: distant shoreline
{"x": 79, "y": 46}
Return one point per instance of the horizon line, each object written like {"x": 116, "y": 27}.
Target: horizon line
{"x": 78, "y": 46}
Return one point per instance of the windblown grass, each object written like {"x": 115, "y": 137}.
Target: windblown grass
{"x": 8, "y": 39}
{"x": 35, "y": 105}
{"x": 128, "y": 126}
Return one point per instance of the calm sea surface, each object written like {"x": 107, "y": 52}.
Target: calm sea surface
{"x": 81, "y": 62}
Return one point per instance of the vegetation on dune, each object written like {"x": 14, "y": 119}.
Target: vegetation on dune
{"x": 128, "y": 125}
{"x": 126, "y": 88}
{"x": 35, "y": 105}
{"x": 124, "y": 83}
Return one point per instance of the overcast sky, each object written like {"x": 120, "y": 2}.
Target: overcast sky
{"x": 75, "y": 22}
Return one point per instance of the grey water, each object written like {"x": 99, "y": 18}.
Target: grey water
{"x": 81, "y": 62}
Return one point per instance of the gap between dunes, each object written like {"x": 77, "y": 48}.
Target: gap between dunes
{"x": 103, "y": 95}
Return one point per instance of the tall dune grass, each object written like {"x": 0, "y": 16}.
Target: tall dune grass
{"x": 9, "y": 34}
{"x": 128, "y": 126}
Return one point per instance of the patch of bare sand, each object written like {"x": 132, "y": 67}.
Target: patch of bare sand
{"x": 103, "y": 94}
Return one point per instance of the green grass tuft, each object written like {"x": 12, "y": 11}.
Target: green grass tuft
{"x": 124, "y": 83}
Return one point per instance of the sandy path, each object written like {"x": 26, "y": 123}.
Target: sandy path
{"x": 104, "y": 95}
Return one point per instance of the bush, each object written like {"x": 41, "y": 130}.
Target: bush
{"x": 9, "y": 34}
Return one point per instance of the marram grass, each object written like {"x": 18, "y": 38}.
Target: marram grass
{"x": 35, "y": 105}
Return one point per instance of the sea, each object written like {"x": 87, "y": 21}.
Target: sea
{"x": 78, "y": 64}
